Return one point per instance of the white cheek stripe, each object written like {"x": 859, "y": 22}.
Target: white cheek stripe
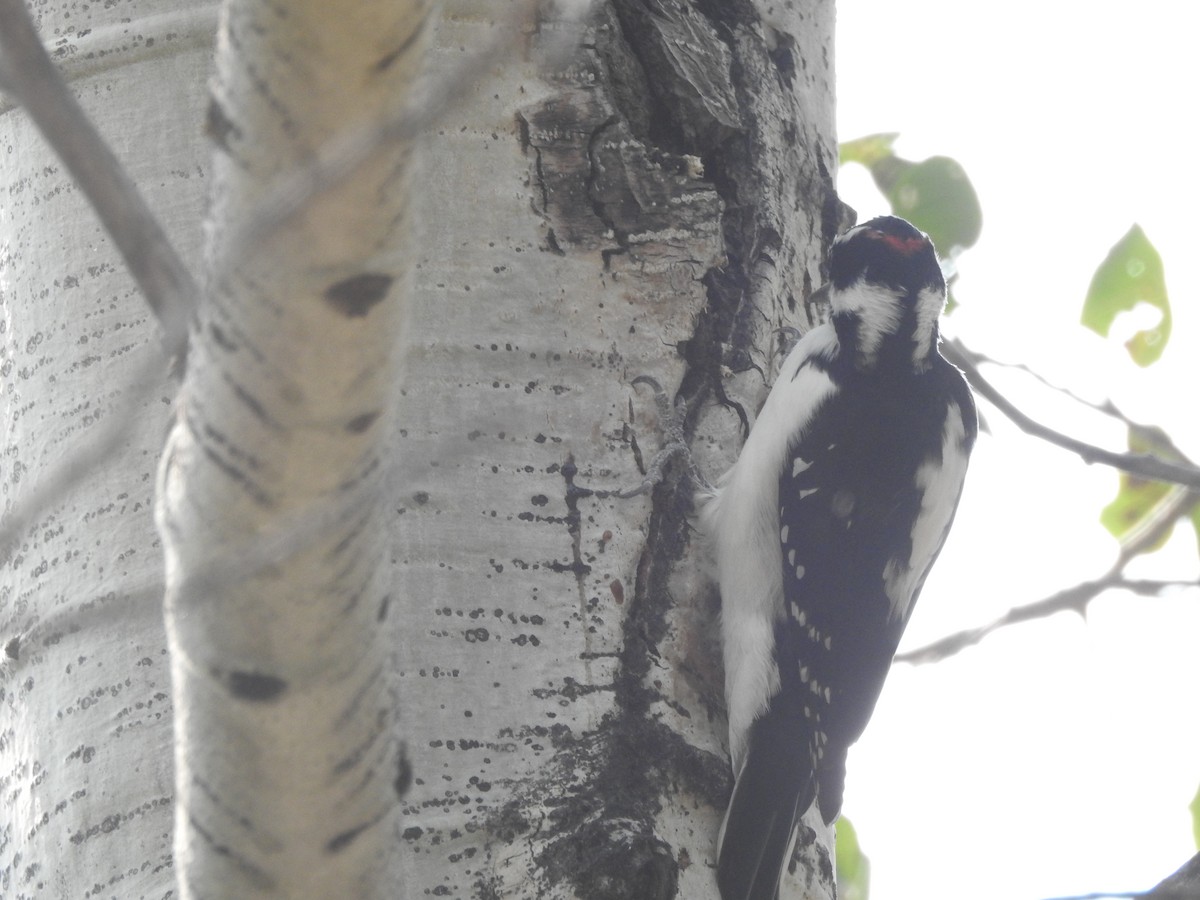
{"x": 878, "y": 309}
{"x": 930, "y": 302}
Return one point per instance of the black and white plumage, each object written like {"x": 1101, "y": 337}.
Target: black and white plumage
{"x": 823, "y": 532}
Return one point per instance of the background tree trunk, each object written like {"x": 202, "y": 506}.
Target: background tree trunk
{"x": 287, "y": 757}
{"x": 85, "y": 711}
{"x": 657, "y": 202}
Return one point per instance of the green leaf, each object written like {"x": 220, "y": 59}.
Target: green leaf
{"x": 1132, "y": 273}
{"x": 935, "y": 195}
{"x": 1195, "y": 517}
{"x": 1195, "y": 809}
{"x": 853, "y": 867}
{"x": 1138, "y": 500}
{"x": 867, "y": 150}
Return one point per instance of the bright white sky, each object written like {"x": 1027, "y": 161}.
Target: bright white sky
{"x": 1059, "y": 757}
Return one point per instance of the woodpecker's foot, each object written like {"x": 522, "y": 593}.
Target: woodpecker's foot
{"x": 788, "y": 338}
{"x": 675, "y": 443}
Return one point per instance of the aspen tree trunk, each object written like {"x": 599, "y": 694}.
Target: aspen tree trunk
{"x": 658, "y": 204}
{"x": 655, "y": 200}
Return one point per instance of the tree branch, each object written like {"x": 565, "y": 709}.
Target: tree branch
{"x": 1073, "y": 599}
{"x": 1077, "y": 598}
{"x": 1144, "y": 465}
{"x": 29, "y": 76}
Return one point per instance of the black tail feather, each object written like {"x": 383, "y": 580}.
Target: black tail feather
{"x": 774, "y": 788}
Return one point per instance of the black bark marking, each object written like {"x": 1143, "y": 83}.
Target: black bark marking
{"x": 343, "y": 840}
{"x": 256, "y": 687}
{"x": 252, "y": 873}
{"x": 359, "y": 424}
{"x": 220, "y": 338}
{"x": 573, "y": 521}
{"x": 209, "y": 442}
{"x": 386, "y": 61}
{"x": 353, "y": 297}
{"x": 340, "y": 842}
{"x": 218, "y": 126}
{"x": 404, "y": 773}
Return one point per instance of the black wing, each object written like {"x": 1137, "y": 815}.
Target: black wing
{"x": 865, "y": 503}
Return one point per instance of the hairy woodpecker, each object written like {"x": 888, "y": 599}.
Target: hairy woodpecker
{"x": 823, "y": 532}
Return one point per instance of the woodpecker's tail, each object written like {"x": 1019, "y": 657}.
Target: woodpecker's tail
{"x": 774, "y": 788}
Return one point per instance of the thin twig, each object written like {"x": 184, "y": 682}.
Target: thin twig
{"x": 87, "y": 453}
{"x": 1073, "y": 599}
{"x": 1182, "y": 893}
{"x": 29, "y": 76}
{"x": 1144, "y": 465}
{"x": 1149, "y": 433}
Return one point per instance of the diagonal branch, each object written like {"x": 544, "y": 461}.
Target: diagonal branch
{"x": 29, "y": 77}
{"x": 1073, "y": 599}
{"x": 1144, "y": 465}
{"x": 99, "y": 445}
{"x": 1076, "y": 599}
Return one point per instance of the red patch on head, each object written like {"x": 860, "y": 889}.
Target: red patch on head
{"x": 905, "y": 246}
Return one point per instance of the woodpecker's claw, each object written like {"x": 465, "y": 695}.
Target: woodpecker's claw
{"x": 675, "y": 442}
{"x": 654, "y": 474}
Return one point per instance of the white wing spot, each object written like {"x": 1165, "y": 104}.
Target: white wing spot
{"x": 799, "y": 569}
{"x": 792, "y": 557}
{"x": 783, "y": 533}
{"x": 804, "y": 674}
{"x": 804, "y": 492}
{"x": 800, "y": 617}
{"x": 894, "y": 574}
{"x": 799, "y": 465}
{"x": 827, "y": 643}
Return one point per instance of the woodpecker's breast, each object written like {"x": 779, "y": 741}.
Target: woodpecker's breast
{"x": 740, "y": 520}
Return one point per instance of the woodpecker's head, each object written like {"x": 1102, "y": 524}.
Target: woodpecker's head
{"x": 886, "y": 292}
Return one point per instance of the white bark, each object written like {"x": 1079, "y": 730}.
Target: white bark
{"x": 287, "y": 760}
{"x": 85, "y": 709}
{"x": 657, "y": 205}
{"x": 660, "y": 199}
